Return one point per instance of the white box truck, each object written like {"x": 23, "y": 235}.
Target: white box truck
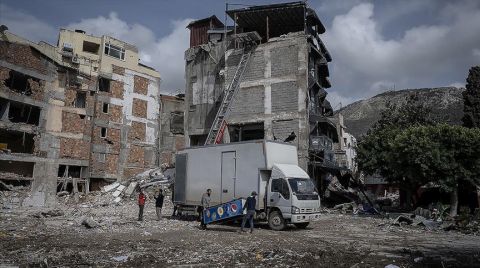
{"x": 286, "y": 194}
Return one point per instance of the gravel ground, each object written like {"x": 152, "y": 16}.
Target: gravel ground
{"x": 337, "y": 240}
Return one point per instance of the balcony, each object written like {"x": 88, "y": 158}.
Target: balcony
{"x": 321, "y": 143}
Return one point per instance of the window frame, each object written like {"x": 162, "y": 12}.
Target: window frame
{"x": 103, "y": 107}
{"x": 109, "y": 47}
{"x": 281, "y": 191}
{"x": 77, "y": 99}
{"x": 100, "y": 82}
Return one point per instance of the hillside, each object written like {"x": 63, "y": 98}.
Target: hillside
{"x": 446, "y": 104}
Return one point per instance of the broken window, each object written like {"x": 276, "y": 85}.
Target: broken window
{"x": 114, "y": 51}
{"x": 91, "y": 47}
{"x": 19, "y": 82}
{"x": 246, "y": 132}
{"x": 80, "y": 100}
{"x": 104, "y": 84}
{"x": 15, "y": 173}
{"x": 71, "y": 178}
{"x": 103, "y": 132}
{"x": 176, "y": 122}
{"x": 18, "y": 112}
{"x": 69, "y": 171}
{"x": 197, "y": 140}
{"x": 105, "y": 108}
{"x": 4, "y": 106}
{"x": 16, "y": 141}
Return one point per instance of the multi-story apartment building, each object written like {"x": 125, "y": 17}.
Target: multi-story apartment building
{"x": 75, "y": 115}
{"x": 283, "y": 86}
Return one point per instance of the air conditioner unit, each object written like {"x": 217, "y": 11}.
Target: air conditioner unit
{"x": 75, "y": 59}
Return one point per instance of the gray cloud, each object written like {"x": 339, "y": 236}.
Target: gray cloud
{"x": 365, "y": 62}
{"x": 375, "y": 45}
{"x": 26, "y": 25}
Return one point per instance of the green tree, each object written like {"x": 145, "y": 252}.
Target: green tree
{"x": 374, "y": 152}
{"x": 441, "y": 154}
{"x": 407, "y": 147}
{"x": 471, "y": 99}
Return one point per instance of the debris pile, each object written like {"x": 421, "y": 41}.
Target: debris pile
{"x": 154, "y": 178}
{"x": 437, "y": 218}
{"x": 12, "y": 196}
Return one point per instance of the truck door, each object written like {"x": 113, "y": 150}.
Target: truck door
{"x": 279, "y": 196}
{"x": 228, "y": 176}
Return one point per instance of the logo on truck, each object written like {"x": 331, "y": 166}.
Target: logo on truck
{"x": 220, "y": 211}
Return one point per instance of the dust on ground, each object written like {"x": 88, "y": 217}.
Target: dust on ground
{"x": 57, "y": 238}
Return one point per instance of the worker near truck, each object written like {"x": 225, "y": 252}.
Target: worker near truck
{"x": 159, "y": 204}
{"x": 141, "y": 204}
{"x": 250, "y": 207}
{"x": 204, "y": 203}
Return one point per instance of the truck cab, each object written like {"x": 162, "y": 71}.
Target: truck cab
{"x": 291, "y": 197}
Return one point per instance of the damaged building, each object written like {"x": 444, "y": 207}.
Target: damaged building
{"x": 76, "y": 115}
{"x": 171, "y": 127}
{"x": 276, "y": 56}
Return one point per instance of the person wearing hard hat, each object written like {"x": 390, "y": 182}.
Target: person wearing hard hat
{"x": 250, "y": 207}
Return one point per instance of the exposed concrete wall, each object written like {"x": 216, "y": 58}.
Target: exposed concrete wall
{"x": 273, "y": 91}
{"x": 171, "y": 135}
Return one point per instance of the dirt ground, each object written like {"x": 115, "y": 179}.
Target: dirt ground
{"x": 336, "y": 240}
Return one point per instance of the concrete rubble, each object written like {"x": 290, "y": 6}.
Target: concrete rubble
{"x": 93, "y": 233}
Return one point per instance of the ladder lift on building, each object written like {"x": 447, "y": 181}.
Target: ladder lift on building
{"x": 249, "y": 41}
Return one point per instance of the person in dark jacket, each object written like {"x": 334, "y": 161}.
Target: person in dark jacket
{"x": 204, "y": 203}
{"x": 141, "y": 204}
{"x": 159, "y": 204}
{"x": 250, "y": 207}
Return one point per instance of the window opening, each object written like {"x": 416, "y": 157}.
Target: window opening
{"x": 115, "y": 51}
{"x": 103, "y": 132}
{"x": 105, "y": 108}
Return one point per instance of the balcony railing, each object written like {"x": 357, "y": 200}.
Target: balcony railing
{"x": 321, "y": 143}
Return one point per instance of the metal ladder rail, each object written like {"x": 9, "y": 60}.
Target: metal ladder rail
{"x": 218, "y": 126}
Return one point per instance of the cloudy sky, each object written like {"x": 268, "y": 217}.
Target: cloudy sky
{"x": 375, "y": 45}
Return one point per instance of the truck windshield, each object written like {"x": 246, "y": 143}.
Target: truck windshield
{"x": 302, "y": 186}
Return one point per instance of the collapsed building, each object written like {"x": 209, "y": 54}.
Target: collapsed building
{"x": 276, "y": 56}
{"x": 76, "y": 115}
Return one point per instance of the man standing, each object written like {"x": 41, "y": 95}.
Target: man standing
{"x": 159, "y": 204}
{"x": 250, "y": 207}
{"x": 141, "y": 204}
{"x": 204, "y": 203}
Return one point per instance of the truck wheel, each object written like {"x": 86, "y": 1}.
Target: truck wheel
{"x": 276, "y": 221}
{"x": 302, "y": 225}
